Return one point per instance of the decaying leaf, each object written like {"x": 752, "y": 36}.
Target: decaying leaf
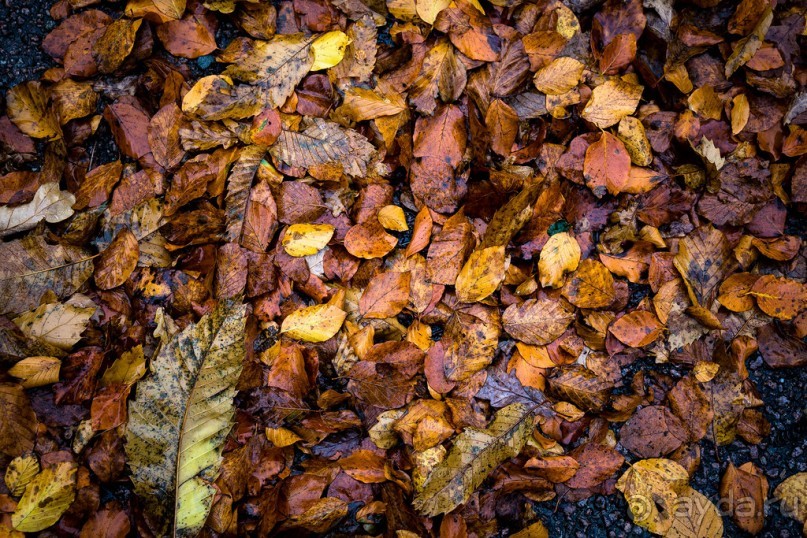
{"x": 537, "y": 321}
{"x": 57, "y": 324}
{"x": 474, "y": 455}
{"x": 173, "y": 464}
{"x": 49, "y": 204}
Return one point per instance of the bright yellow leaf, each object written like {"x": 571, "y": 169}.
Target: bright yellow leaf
{"x": 329, "y": 49}
{"x": 306, "y": 239}
{"x": 316, "y": 323}
{"x": 560, "y": 254}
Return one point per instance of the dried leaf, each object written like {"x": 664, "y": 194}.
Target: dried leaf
{"x": 481, "y": 274}
{"x": 20, "y": 472}
{"x": 612, "y": 101}
{"x": 49, "y": 204}
{"x": 637, "y": 329}
{"x": 57, "y": 324}
{"x": 18, "y": 421}
{"x": 324, "y": 143}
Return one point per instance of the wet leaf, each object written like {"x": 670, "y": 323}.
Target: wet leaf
{"x": 560, "y": 255}
{"x": 306, "y": 239}
{"x": 26, "y": 105}
{"x": 46, "y": 498}
{"x": 537, "y": 321}
{"x": 172, "y": 465}
{"x": 474, "y": 455}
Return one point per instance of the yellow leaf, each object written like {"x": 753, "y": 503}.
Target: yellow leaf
{"x": 793, "y": 494}
{"x": 127, "y": 369}
{"x": 740, "y": 112}
{"x": 328, "y": 49}
{"x": 695, "y": 516}
{"x": 481, "y": 275}
{"x": 49, "y": 204}
{"x": 181, "y": 417}
{"x": 27, "y": 108}
{"x": 36, "y": 371}
{"x": 474, "y": 454}
{"x": 560, "y": 254}
{"x": 46, "y": 498}
{"x": 612, "y": 101}
{"x": 20, "y": 472}
{"x": 631, "y": 132}
{"x": 429, "y": 9}
{"x": 316, "y": 323}
{"x": 57, "y": 324}
{"x": 392, "y": 217}
{"x": 651, "y": 488}
{"x": 282, "y": 437}
{"x": 536, "y": 530}
{"x": 306, "y": 239}
{"x": 558, "y": 77}
{"x": 215, "y": 97}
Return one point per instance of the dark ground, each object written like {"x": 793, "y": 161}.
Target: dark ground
{"x": 24, "y": 23}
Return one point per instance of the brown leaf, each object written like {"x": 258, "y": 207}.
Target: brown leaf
{"x": 637, "y": 329}
{"x": 749, "y": 487}
{"x": 537, "y": 321}
{"x": 117, "y": 261}
{"x": 652, "y": 432}
{"x": 385, "y": 296}
{"x": 17, "y": 421}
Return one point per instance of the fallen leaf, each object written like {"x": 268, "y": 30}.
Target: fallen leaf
{"x": 481, "y": 275}
{"x": 49, "y": 204}
{"x": 612, "y": 101}
{"x": 20, "y": 472}
{"x": 117, "y": 261}
{"x": 57, "y": 324}
{"x": 200, "y": 366}
{"x": 560, "y": 254}
{"x": 637, "y": 329}
{"x": 386, "y": 295}
{"x": 306, "y": 239}
{"x": 316, "y": 323}
{"x": 537, "y": 321}
{"x": 46, "y": 498}
{"x": 474, "y": 454}
{"x": 36, "y": 371}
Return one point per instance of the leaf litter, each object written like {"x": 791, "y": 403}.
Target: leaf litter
{"x": 378, "y": 275}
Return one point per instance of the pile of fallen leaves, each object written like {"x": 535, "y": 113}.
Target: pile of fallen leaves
{"x": 391, "y": 270}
